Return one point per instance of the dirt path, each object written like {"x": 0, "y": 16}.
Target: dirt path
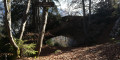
{"x": 97, "y": 52}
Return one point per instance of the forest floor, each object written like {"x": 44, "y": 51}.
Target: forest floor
{"x": 106, "y": 51}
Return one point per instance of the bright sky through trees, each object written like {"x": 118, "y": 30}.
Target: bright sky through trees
{"x": 65, "y": 9}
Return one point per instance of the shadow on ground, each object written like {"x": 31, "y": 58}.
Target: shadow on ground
{"x": 48, "y": 50}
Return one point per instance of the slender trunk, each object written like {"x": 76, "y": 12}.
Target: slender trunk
{"x": 7, "y": 5}
{"x": 114, "y": 2}
{"x": 34, "y": 18}
{"x": 37, "y": 19}
{"x": 118, "y": 7}
{"x": 42, "y": 29}
{"x": 22, "y": 28}
{"x": 84, "y": 20}
{"x": 89, "y": 11}
{"x": 109, "y": 4}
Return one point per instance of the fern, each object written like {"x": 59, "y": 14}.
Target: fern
{"x": 26, "y": 49}
{"x": 29, "y": 49}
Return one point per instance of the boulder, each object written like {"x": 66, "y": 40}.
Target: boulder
{"x": 62, "y": 41}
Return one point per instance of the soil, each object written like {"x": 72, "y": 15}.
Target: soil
{"x": 107, "y": 51}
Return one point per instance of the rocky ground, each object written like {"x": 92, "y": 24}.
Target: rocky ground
{"x": 105, "y": 51}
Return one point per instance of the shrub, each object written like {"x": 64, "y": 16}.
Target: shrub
{"x": 58, "y": 51}
{"x": 50, "y": 42}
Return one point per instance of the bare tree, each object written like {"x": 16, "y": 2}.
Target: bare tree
{"x": 7, "y": 5}
{"x": 22, "y": 28}
{"x": 42, "y": 27}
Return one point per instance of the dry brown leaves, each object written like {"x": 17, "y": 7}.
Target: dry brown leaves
{"x": 97, "y": 52}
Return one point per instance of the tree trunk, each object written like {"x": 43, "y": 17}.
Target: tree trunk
{"x": 84, "y": 23}
{"x": 36, "y": 16}
{"x": 114, "y": 2}
{"x": 7, "y": 5}
{"x": 89, "y": 11}
{"x": 84, "y": 20}
{"x": 42, "y": 30}
{"x": 22, "y": 28}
